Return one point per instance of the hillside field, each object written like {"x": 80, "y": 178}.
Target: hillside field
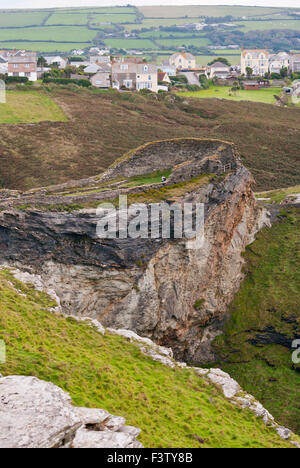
{"x": 172, "y": 407}
{"x": 222, "y": 92}
{"x": 29, "y": 107}
{"x": 102, "y": 126}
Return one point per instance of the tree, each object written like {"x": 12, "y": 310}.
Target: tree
{"x": 249, "y": 71}
{"x": 222, "y": 60}
{"x": 284, "y": 72}
{"x": 42, "y": 62}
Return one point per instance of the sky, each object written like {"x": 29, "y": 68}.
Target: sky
{"x": 69, "y": 3}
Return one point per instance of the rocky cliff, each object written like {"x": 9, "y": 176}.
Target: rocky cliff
{"x": 158, "y": 288}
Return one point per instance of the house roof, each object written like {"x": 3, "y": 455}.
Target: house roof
{"x": 161, "y": 76}
{"x": 92, "y": 68}
{"x": 220, "y": 65}
{"x": 185, "y": 55}
{"x": 255, "y": 52}
{"x": 21, "y": 59}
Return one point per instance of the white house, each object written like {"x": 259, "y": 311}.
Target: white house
{"x": 218, "y": 70}
{"x": 23, "y": 65}
{"x": 170, "y": 70}
{"x": 62, "y": 63}
{"x": 257, "y": 60}
{"x": 182, "y": 61}
{"x": 279, "y": 61}
{"x": 3, "y": 65}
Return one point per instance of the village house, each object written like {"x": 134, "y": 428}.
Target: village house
{"x": 170, "y": 70}
{"x": 61, "y": 62}
{"x": 100, "y": 59}
{"x": 279, "y": 61}
{"x": 134, "y": 76}
{"x": 182, "y": 61}
{"x": 294, "y": 66}
{"x": 163, "y": 77}
{"x": 218, "y": 70}
{"x": 257, "y": 60}
{"x": 101, "y": 80}
{"x": 3, "y": 65}
{"x": 23, "y": 63}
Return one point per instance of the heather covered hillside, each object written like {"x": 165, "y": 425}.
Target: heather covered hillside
{"x": 102, "y": 126}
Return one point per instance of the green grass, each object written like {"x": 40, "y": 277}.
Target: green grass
{"x": 29, "y": 107}
{"x": 48, "y": 33}
{"x": 193, "y": 11}
{"x": 267, "y": 25}
{"x": 278, "y": 196}
{"x": 222, "y": 92}
{"x": 129, "y": 43}
{"x": 174, "y": 43}
{"x": 18, "y": 19}
{"x": 46, "y": 46}
{"x": 268, "y": 301}
{"x": 171, "y": 406}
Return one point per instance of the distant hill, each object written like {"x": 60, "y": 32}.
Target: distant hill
{"x": 156, "y": 31}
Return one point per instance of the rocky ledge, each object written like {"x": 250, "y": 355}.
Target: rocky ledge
{"x": 38, "y": 414}
{"x": 158, "y": 288}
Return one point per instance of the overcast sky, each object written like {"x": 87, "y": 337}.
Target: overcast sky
{"x": 68, "y": 3}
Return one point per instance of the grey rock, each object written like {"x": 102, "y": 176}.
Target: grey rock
{"x": 87, "y": 439}
{"x": 38, "y": 414}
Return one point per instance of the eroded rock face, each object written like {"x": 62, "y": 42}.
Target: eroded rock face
{"x": 38, "y": 414}
{"x": 158, "y": 288}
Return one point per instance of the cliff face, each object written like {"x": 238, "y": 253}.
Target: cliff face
{"x": 156, "y": 287}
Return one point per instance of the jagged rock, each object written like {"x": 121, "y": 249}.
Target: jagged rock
{"x": 229, "y": 386}
{"x": 257, "y": 408}
{"x": 87, "y": 439}
{"x": 38, "y": 414}
{"x": 35, "y": 414}
{"x": 157, "y": 357}
{"x": 283, "y": 432}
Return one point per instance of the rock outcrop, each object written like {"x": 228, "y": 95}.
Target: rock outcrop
{"x": 159, "y": 288}
{"x": 38, "y": 414}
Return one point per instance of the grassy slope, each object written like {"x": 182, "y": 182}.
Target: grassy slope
{"x": 262, "y": 95}
{"x": 105, "y": 125}
{"x": 29, "y": 107}
{"x": 280, "y": 195}
{"x": 170, "y": 406}
{"x": 268, "y": 298}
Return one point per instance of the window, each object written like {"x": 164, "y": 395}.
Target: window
{"x": 124, "y": 67}
{"x": 138, "y": 77}
{"x": 98, "y": 82}
{"x": 149, "y": 77}
{"x": 27, "y": 74}
{"x": 145, "y": 68}
{"x": 16, "y": 65}
{"x": 27, "y": 65}
{"x": 128, "y": 84}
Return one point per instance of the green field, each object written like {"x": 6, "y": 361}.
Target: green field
{"x": 222, "y": 92}
{"x": 29, "y": 107}
{"x": 48, "y": 33}
{"x": 174, "y": 43}
{"x": 107, "y": 26}
{"x": 194, "y": 11}
{"x": 172, "y": 407}
{"x": 129, "y": 43}
{"x": 43, "y": 47}
{"x": 21, "y": 19}
{"x": 267, "y": 25}
{"x": 84, "y": 18}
